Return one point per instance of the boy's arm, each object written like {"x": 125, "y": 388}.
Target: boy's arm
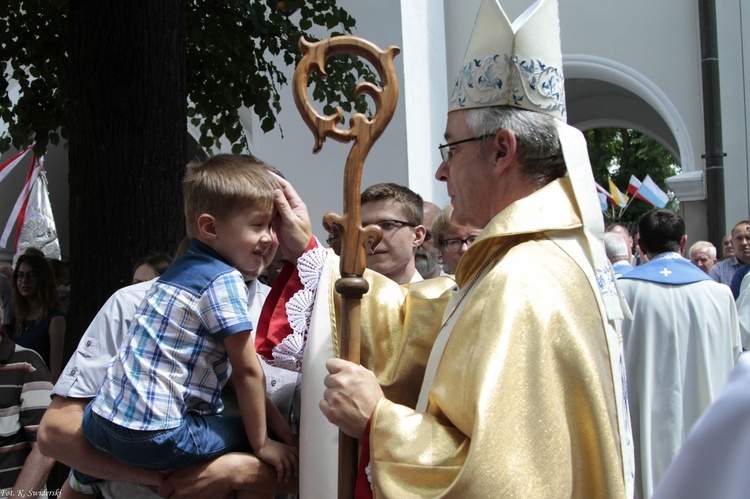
{"x": 60, "y": 437}
{"x": 249, "y": 382}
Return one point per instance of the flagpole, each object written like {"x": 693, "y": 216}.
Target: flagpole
{"x": 631, "y": 199}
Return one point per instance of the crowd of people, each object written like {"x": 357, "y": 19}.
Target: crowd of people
{"x": 511, "y": 345}
{"x": 691, "y": 351}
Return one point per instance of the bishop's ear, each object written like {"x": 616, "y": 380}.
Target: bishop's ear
{"x": 504, "y": 147}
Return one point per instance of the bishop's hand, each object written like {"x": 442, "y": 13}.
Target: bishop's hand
{"x": 351, "y": 394}
{"x": 293, "y": 223}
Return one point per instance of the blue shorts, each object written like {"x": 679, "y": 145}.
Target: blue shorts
{"x": 199, "y": 438}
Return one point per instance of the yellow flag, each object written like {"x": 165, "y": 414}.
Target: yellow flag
{"x": 621, "y": 199}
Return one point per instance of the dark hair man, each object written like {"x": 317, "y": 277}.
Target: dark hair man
{"x": 680, "y": 315}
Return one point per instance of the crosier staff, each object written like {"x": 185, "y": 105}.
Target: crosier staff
{"x": 364, "y": 132}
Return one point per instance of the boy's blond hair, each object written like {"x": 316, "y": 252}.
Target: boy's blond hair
{"x": 224, "y": 184}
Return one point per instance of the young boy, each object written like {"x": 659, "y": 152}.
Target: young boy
{"x": 158, "y": 407}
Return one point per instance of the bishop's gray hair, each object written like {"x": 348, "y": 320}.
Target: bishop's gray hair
{"x": 538, "y": 147}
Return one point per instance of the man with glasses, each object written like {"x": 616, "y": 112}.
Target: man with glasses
{"x": 453, "y": 239}
{"x": 398, "y": 211}
{"x": 523, "y": 392}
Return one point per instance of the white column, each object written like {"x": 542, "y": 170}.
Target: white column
{"x": 425, "y": 93}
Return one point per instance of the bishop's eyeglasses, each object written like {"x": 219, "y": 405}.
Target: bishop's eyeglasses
{"x": 446, "y": 150}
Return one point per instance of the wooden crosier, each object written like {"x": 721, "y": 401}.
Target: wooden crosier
{"x": 364, "y": 132}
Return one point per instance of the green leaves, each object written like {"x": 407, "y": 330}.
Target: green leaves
{"x": 236, "y": 54}
{"x": 237, "y": 51}
{"x": 32, "y": 35}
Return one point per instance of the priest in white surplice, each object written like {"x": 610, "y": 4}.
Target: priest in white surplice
{"x": 680, "y": 345}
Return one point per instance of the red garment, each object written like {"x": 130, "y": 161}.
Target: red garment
{"x": 363, "y": 488}
{"x": 273, "y": 316}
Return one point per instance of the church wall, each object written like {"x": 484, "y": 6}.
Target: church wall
{"x": 733, "y": 26}
{"x": 319, "y": 178}
{"x": 661, "y": 42}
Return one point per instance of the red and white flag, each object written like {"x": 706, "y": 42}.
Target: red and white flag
{"x": 9, "y": 165}
{"x": 633, "y": 187}
{"x": 33, "y": 213}
{"x": 648, "y": 191}
{"x": 21, "y": 201}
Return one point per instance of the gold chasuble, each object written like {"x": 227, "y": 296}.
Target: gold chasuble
{"x": 507, "y": 382}
{"x": 401, "y": 323}
{"x": 523, "y": 402}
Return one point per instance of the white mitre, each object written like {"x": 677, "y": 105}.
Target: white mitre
{"x": 519, "y": 64}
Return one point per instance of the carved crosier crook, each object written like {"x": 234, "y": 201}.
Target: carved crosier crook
{"x": 354, "y": 238}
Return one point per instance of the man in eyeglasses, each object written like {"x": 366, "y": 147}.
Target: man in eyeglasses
{"x": 521, "y": 382}
{"x": 398, "y": 211}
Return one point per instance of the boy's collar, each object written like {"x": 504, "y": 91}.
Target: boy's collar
{"x": 199, "y": 247}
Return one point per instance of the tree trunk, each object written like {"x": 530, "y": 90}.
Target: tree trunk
{"x": 127, "y": 144}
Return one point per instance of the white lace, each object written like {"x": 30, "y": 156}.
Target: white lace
{"x": 288, "y": 354}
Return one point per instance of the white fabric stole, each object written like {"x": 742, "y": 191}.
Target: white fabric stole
{"x": 438, "y": 347}
{"x": 571, "y": 246}
{"x": 576, "y": 157}
{"x": 319, "y": 439}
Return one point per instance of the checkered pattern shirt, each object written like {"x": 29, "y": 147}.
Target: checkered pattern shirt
{"x": 724, "y": 270}
{"x": 173, "y": 359}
